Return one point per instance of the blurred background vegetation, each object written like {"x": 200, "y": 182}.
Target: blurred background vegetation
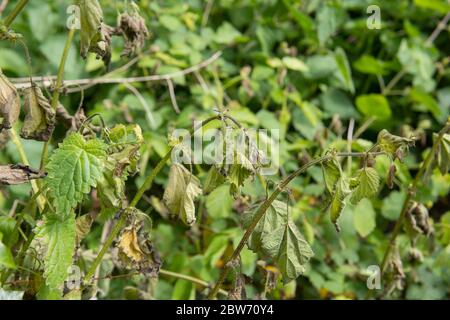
{"x": 308, "y": 68}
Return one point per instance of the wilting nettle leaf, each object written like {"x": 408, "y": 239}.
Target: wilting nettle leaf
{"x": 135, "y": 248}
{"x": 365, "y": 184}
{"x": 39, "y": 116}
{"x": 443, "y": 154}
{"x": 337, "y": 201}
{"x": 73, "y": 169}
{"x": 331, "y": 173}
{"x": 213, "y": 180}
{"x": 121, "y": 161}
{"x": 95, "y": 35}
{"x": 240, "y": 170}
{"x": 393, "y": 145}
{"x": 180, "y": 193}
{"x": 417, "y": 221}
{"x": 277, "y": 236}
{"x": 9, "y": 103}
{"x": 134, "y": 31}
{"x": 337, "y": 187}
{"x": 16, "y": 174}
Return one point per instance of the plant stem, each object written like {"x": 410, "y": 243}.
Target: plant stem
{"x": 23, "y": 156}
{"x": 145, "y": 186}
{"x": 15, "y": 12}
{"x": 59, "y": 81}
{"x": 266, "y": 204}
{"x": 189, "y": 278}
{"x": 411, "y": 192}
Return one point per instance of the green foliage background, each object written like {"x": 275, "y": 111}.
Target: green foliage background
{"x": 304, "y": 67}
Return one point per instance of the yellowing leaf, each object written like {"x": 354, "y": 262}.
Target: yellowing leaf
{"x": 180, "y": 193}
{"x": 128, "y": 243}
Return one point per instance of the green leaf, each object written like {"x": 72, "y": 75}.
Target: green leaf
{"x": 364, "y": 218}
{"x": 219, "y": 202}
{"x": 59, "y": 234}
{"x": 294, "y": 64}
{"x": 335, "y": 101}
{"x": 344, "y": 68}
{"x": 277, "y": 236}
{"x": 328, "y": 19}
{"x": 180, "y": 193}
{"x": 290, "y": 250}
{"x": 6, "y": 258}
{"x": 367, "y": 182}
{"x": 272, "y": 219}
{"x": 374, "y": 105}
{"x": 392, "y": 205}
{"x": 441, "y": 6}
{"x": 425, "y": 102}
{"x": 73, "y": 169}
{"x": 369, "y": 64}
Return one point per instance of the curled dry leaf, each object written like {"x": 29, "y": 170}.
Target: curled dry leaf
{"x": 9, "y": 103}
{"x": 134, "y": 31}
{"x": 393, "y": 145}
{"x": 135, "y": 248}
{"x": 180, "y": 193}
{"x": 417, "y": 221}
{"x": 17, "y": 174}
{"x": 39, "y": 115}
{"x": 95, "y": 35}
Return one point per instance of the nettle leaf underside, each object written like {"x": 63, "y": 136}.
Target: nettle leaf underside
{"x": 277, "y": 236}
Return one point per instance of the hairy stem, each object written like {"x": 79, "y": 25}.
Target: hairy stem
{"x": 263, "y": 208}
{"x": 15, "y": 12}
{"x": 411, "y": 192}
{"x": 59, "y": 81}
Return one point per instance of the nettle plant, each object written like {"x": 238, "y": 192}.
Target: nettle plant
{"x": 96, "y": 157}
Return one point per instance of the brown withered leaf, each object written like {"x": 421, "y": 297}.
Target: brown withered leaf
{"x": 136, "y": 251}
{"x": 39, "y": 115}
{"x": 128, "y": 244}
{"x": 9, "y": 103}
{"x": 133, "y": 29}
{"x": 12, "y": 174}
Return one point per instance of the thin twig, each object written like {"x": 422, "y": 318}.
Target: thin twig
{"x": 173, "y": 98}
{"x": 148, "y": 112}
{"x": 101, "y": 80}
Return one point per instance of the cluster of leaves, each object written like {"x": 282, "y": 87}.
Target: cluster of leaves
{"x": 309, "y": 69}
